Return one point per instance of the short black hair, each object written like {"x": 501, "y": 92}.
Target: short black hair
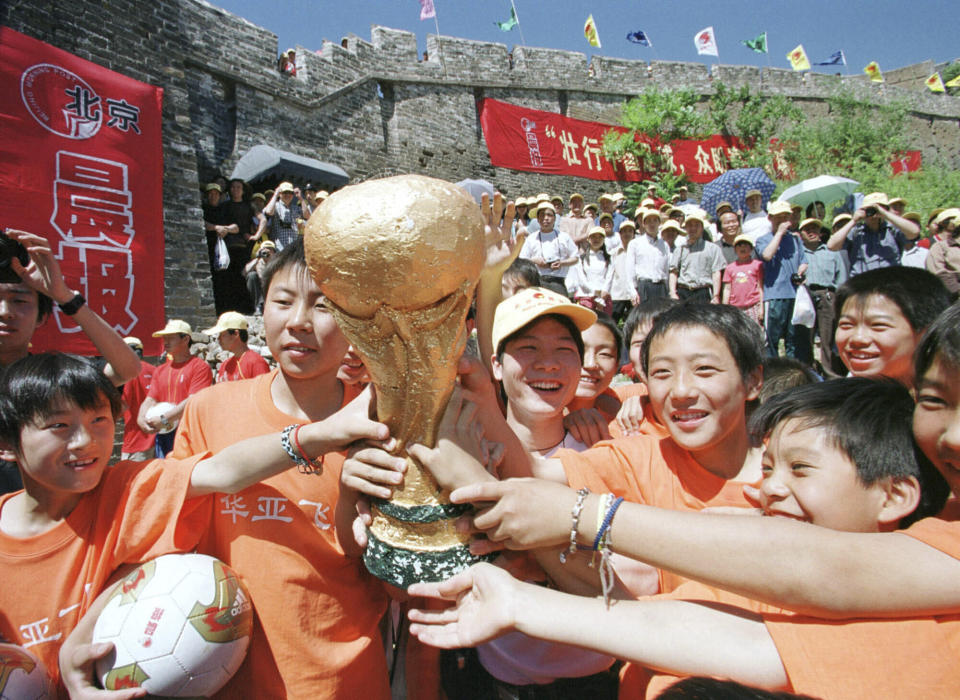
{"x": 644, "y": 312}
{"x": 242, "y": 332}
{"x": 605, "y": 320}
{"x": 920, "y": 295}
{"x": 564, "y": 321}
{"x": 782, "y": 373}
{"x": 871, "y": 422}
{"x": 525, "y": 270}
{"x": 940, "y": 342}
{"x": 31, "y": 386}
{"x": 743, "y": 336}
{"x": 292, "y": 255}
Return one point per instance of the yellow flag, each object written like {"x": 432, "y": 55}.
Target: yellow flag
{"x": 590, "y": 31}
{"x": 873, "y": 70}
{"x": 955, "y": 82}
{"x": 935, "y": 83}
{"x": 798, "y": 59}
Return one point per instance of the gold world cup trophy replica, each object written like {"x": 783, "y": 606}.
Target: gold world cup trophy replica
{"x": 398, "y": 260}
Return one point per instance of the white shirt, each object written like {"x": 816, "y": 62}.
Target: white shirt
{"x": 612, "y": 243}
{"x": 915, "y": 257}
{"x": 622, "y": 287}
{"x": 648, "y": 259}
{"x": 552, "y": 246}
{"x": 590, "y": 275}
{"x": 755, "y": 225}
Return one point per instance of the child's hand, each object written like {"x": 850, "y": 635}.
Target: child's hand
{"x": 519, "y": 513}
{"x": 485, "y": 597}
{"x": 43, "y": 273}
{"x": 77, "y": 669}
{"x": 630, "y": 417}
{"x": 371, "y": 470}
{"x": 348, "y": 425}
{"x": 501, "y": 251}
{"x": 461, "y": 456}
{"x": 587, "y": 425}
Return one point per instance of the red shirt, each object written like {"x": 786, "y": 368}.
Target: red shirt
{"x": 175, "y": 381}
{"x": 248, "y": 365}
{"x": 134, "y": 392}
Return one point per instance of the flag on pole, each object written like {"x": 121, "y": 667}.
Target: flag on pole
{"x": 873, "y": 70}
{"x": 639, "y": 37}
{"x": 837, "y": 58}
{"x": 758, "y": 44}
{"x": 590, "y": 31}
{"x": 955, "y": 82}
{"x": 935, "y": 83}
{"x": 706, "y": 42}
{"x": 510, "y": 23}
{"x": 427, "y": 10}
{"x": 798, "y": 58}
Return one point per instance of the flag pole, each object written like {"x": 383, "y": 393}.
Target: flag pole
{"x": 523, "y": 41}
{"x": 436, "y": 24}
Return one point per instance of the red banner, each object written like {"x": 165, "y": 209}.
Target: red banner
{"x": 546, "y": 142}
{"x": 907, "y": 162}
{"x": 83, "y": 165}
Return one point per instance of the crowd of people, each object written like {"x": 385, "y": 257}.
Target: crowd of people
{"x": 629, "y": 415}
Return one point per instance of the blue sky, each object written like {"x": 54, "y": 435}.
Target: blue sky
{"x": 893, "y": 33}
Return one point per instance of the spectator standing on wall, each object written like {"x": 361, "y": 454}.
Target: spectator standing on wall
{"x": 230, "y": 290}
{"x": 285, "y": 214}
{"x": 254, "y": 273}
{"x": 784, "y": 265}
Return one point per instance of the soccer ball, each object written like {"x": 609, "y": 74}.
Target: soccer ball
{"x": 22, "y": 675}
{"x": 180, "y": 626}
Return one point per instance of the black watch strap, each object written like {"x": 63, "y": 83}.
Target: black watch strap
{"x": 73, "y": 306}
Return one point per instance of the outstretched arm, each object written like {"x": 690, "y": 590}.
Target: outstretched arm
{"x": 809, "y": 569}
{"x": 44, "y": 275}
{"x": 674, "y": 636}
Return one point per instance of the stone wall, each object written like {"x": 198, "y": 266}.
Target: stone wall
{"x": 374, "y": 107}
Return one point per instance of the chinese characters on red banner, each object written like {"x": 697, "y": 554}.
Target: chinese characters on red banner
{"x": 546, "y": 142}
{"x": 83, "y": 167}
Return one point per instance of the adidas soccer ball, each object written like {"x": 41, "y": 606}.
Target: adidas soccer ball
{"x": 180, "y": 626}
{"x": 22, "y": 675}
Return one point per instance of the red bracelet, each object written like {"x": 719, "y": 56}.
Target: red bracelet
{"x": 316, "y": 465}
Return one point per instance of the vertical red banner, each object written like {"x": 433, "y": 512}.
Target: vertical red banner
{"x": 83, "y": 165}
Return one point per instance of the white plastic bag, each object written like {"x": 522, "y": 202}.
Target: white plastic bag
{"x": 221, "y": 256}
{"x": 804, "y": 313}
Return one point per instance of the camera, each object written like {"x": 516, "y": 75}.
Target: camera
{"x": 797, "y": 279}
{"x": 10, "y": 249}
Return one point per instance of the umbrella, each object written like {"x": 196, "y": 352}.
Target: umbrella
{"x": 733, "y": 185}
{"x": 476, "y": 188}
{"x": 823, "y": 188}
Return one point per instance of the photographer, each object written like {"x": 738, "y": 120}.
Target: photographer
{"x": 30, "y": 283}
{"x": 875, "y": 236}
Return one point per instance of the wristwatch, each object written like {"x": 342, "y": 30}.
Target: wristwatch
{"x": 73, "y": 306}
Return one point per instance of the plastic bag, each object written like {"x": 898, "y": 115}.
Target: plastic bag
{"x": 804, "y": 312}
{"x": 221, "y": 256}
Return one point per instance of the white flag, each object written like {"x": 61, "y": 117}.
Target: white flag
{"x": 706, "y": 42}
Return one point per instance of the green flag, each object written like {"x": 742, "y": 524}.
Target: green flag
{"x": 759, "y": 44}
{"x": 510, "y": 23}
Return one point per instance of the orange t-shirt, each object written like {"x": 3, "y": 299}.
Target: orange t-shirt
{"x": 136, "y": 513}
{"x": 250, "y": 364}
{"x": 894, "y": 658}
{"x": 317, "y": 611}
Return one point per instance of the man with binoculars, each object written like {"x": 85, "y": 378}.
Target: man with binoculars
{"x": 874, "y": 237}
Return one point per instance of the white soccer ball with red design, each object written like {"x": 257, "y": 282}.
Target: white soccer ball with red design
{"x": 180, "y": 626}
{"x": 22, "y": 675}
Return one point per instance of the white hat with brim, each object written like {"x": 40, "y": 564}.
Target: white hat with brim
{"x": 531, "y": 303}
{"x": 228, "y": 321}
{"x": 174, "y": 327}
{"x": 776, "y": 208}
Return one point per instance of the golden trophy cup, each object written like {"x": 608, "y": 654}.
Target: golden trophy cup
{"x": 398, "y": 260}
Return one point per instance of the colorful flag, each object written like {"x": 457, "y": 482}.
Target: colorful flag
{"x": 590, "y": 31}
{"x": 706, "y": 42}
{"x": 510, "y": 23}
{"x": 935, "y": 83}
{"x": 427, "y": 10}
{"x": 836, "y": 59}
{"x": 639, "y": 37}
{"x": 954, "y": 82}
{"x": 798, "y": 58}
{"x": 873, "y": 70}
{"x": 759, "y": 44}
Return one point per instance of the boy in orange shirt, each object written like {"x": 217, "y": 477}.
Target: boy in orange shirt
{"x": 839, "y": 455}
{"x": 77, "y": 520}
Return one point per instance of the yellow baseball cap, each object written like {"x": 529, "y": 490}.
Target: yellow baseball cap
{"x": 174, "y": 327}
{"x": 529, "y": 304}
{"x": 229, "y": 320}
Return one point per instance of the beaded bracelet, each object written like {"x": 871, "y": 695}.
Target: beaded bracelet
{"x": 304, "y": 464}
{"x": 575, "y": 523}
